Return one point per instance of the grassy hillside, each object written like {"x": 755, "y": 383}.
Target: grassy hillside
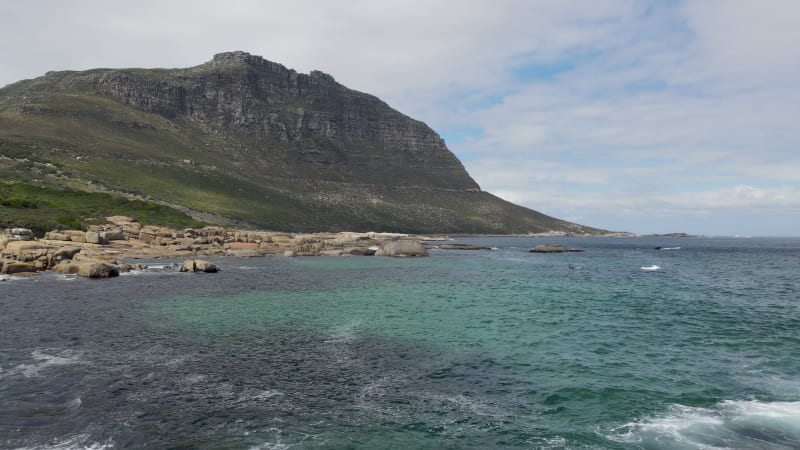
{"x": 43, "y": 209}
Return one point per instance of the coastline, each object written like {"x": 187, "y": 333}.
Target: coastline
{"x": 105, "y": 250}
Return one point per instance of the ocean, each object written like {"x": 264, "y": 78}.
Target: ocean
{"x": 490, "y": 349}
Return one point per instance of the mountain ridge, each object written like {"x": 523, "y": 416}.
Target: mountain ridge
{"x": 248, "y": 141}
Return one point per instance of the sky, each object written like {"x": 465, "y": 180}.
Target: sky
{"x": 644, "y": 116}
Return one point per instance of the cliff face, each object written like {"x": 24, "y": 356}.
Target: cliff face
{"x": 246, "y": 140}
{"x": 296, "y": 118}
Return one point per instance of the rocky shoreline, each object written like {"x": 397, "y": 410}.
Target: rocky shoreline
{"x": 104, "y": 251}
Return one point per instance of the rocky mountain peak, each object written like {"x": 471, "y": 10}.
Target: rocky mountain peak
{"x": 257, "y": 62}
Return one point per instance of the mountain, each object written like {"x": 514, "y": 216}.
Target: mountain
{"x": 243, "y": 141}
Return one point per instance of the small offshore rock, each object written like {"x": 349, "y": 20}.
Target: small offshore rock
{"x": 198, "y": 265}
{"x": 97, "y": 270}
{"x": 553, "y": 248}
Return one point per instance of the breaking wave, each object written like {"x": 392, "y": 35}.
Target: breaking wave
{"x": 729, "y": 425}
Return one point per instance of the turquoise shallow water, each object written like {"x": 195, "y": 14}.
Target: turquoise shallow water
{"x": 486, "y": 349}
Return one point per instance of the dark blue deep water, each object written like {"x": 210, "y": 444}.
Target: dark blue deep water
{"x": 462, "y": 350}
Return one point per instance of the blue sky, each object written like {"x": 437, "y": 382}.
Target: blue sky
{"x": 646, "y": 116}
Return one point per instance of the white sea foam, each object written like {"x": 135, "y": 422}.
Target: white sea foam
{"x": 66, "y": 277}
{"x": 9, "y": 278}
{"x": 344, "y": 333}
{"x": 729, "y": 425}
{"x": 42, "y": 360}
{"x": 79, "y": 442}
{"x": 276, "y": 445}
{"x": 270, "y": 446}
{"x": 131, "y": 273}
{"x": 161, "y": 266}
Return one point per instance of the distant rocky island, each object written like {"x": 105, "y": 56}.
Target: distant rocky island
{"x": 237, "y": 142}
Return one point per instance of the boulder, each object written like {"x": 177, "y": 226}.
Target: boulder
{"x": 401, "y": 247}
{"x": 120, "y": 220}
{"x": 19, "y": 234}
{"x": 97, "y": 270}
{"x": 112, "y": 235}
{"x": 147, "y": 234}
{"x": 198, "y": 265}
{"x": 93, "y": 237}
{"x": 15, "y": 268}
{"x": 56, "y": 236}
{"x": 66, "y": 253}
{"x": 66, "y": 267}
{"x": 75, "y": 235}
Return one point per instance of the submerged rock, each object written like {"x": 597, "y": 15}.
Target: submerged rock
{"x": 553, "y": 248}
{"x": 462, "y": 247}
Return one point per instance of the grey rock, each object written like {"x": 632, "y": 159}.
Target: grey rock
{"x": 402, "y": 247}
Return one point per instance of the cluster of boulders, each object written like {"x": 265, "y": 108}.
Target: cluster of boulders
{"x": 98, "y": 251}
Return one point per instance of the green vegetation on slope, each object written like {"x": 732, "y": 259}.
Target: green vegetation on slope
{"x": 43, "y": 209}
